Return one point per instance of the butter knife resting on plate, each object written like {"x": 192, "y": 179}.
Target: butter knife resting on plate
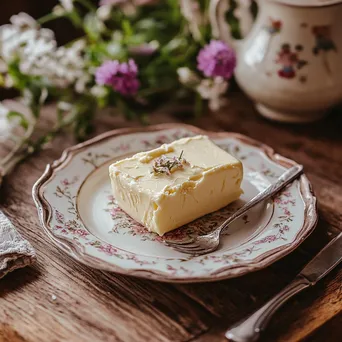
{"x": 249, "y": 329}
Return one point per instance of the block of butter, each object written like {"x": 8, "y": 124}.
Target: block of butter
{"x": 176, "y": 183}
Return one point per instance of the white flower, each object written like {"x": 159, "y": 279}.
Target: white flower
{"x": 8, "y": 42}
{"x": 65, "y": 6}
{"x": 114, "y": 48}
{"x": 64, "y": 106}
{"x": 5, "y": 125}
{"x": 23, "y": 20}
{"x": 38, "y": 55}
{"x": 117, "y": 35}
{"x": 129, "y": 9}
{"x": 3, "y": 111}
{"x": 15, "y": 38}
{"x": 212, "y": 90}
{"x": 127, "y": 6}
{"x": 8, "y": 81}
{"x": 34, "y": 50}
{"x": 68, "y": 5}
{"x": 3, "y": 67}
{"x": 187, "y": 76}
{"x": 93, "y": 23}
{"x": 104, "y": 12}
{"x": 80, "y": 85}
{"x": 58, "y": 10}
{"x": 98, "y": 91}
{"x": 191, "y": 11}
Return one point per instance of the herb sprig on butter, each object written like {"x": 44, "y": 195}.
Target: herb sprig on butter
{"x": 166, "y": 165}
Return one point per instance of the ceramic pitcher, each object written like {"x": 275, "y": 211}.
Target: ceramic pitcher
{"x": 290, "y": 62}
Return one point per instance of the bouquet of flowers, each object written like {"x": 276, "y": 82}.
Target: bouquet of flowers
{"x": 133, "y": 55}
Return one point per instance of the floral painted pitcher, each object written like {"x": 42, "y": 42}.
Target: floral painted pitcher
{"x": 290, "y": 62}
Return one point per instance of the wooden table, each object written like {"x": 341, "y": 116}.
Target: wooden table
{"x": 59, "y": 299}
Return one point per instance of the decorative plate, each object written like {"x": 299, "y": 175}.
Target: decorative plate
{"x": 80, "y": 215}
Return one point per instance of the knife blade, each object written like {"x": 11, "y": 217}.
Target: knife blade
{"x": 328, "y": 258}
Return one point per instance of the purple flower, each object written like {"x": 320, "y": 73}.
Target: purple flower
{"x": 217, "y": 59}
{"x": 121, "y": 76}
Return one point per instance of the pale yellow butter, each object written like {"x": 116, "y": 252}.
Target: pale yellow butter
{"x": 210, "y": 180}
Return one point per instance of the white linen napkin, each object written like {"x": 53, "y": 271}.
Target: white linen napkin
{"x": 15, "y": 251}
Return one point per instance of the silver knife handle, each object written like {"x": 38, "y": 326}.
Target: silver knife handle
{"x": 249, "y": 329}
{"x": 285, "y": 179}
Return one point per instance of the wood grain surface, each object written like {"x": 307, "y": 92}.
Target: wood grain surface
{"x": 58, "y": 299}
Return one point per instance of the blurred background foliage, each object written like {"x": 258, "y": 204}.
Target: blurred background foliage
{"x": 63, "y": 28}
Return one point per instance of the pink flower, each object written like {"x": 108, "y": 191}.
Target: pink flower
{"x": 115, "y": 211}
{"x": 82, "y": 233}
{"x": 161, "y": 138}
{"x": 171, "y": 268}
{"x": 108, "y": 249}
{"x": 124, "y": 147}
{"x": 59, "y": 217}
{"x": 65, "y": 182}
{"x": 268, "y": 239}
{"x": 122, "y": 77}
{"x": 287, "y": 212}
{"x": 177, "y": 235}
{"x": 217, "y": 59}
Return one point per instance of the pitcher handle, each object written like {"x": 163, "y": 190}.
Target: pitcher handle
{"x": 219, "y": 25}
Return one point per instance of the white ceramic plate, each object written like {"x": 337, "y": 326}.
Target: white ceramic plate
{"x": 80, "y": 215}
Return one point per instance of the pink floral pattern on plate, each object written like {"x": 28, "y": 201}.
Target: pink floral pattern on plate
{"x": 124, "y": 224}
{"x": 61, "y": 195}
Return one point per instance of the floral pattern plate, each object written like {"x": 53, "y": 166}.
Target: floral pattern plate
{"x": 80, "y": 215}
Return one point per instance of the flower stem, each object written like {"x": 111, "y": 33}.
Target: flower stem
{"x": 87, "y": 4}
{"x": 17, "y": 156}
{"x": 49, "y": 17}
{"x": 198, "y": 105}
{"x": 12, "y": 155}
{"x": 326, "y": 62}
{"x": 12, "y": 162}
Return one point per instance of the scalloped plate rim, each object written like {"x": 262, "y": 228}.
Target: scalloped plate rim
{"x": 225, "y": 272}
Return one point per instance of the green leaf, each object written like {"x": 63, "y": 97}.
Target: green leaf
{"x": 84, "y": 114}
{"x": 127, "y": 28}
{"x": 22, "y": 119}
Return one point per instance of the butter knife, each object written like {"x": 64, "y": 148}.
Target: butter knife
{"x": 248, "y": 330}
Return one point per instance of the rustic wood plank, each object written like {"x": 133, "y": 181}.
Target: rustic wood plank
{"x": 331, "y": 330}
{"x": 88, "y": 297}
{"x": 304, "y": 317}
{"x": 92, "y": 305}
